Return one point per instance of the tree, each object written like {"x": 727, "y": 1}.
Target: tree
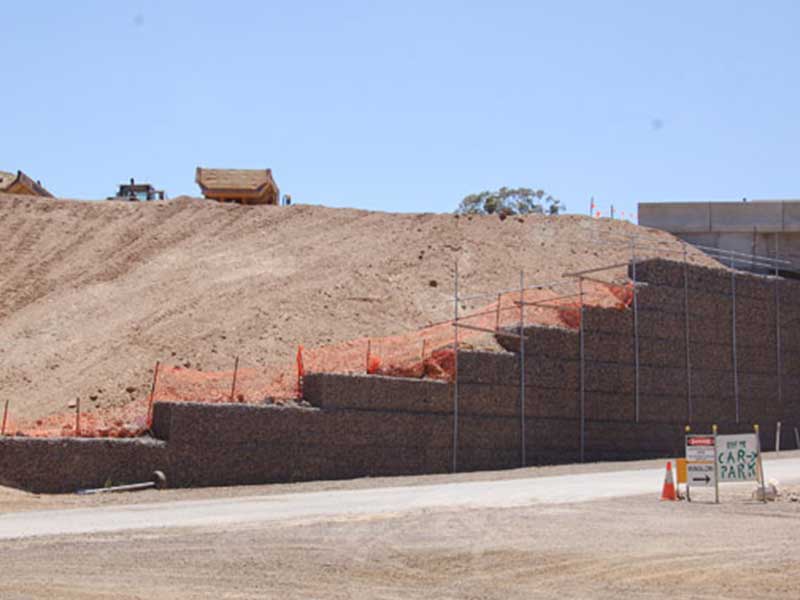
{"x": 510, "y": 201}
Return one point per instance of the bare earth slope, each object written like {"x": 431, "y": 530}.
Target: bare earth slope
{"x": 92, "y": 293}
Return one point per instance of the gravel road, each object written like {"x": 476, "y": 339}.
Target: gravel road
{"x": 630, "y": 547}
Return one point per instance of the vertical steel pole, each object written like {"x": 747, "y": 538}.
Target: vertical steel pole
{"x": 779, "y": 357}
{"x": 455, "y": 369}
{"x": 635, "y": 330}
{"x": 522, "y": 363}
{"x": 733, "y": 339}
{"x": 686, "y": 333}
{"x": 716, "y": 465}
{"x": 582, "y": 376}
{"x": 760, "y": 464}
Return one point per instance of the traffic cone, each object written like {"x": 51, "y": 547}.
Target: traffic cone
{"x": 668, "y": 491}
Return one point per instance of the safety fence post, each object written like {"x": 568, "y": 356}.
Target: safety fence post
{"x": 5, "y": 419}
{"x": 78, "y": 417}
{"x": 235, "y": 373}
{"x": 152, "y": 395}
{"x": 301, "y": 371}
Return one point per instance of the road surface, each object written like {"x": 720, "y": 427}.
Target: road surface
{"x": 341, "y": 503}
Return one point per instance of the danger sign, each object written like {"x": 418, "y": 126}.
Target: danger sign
{"x": 700, "y": 440}
{"x": 700, "y": 455}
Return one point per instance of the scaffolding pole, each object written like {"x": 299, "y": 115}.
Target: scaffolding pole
{"x": 455, "y": 369}
{"x": 522, "y": 365}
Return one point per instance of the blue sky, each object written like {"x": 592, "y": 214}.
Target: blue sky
{"x": 408, "y": 106}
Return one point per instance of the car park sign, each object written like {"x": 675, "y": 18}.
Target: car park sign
{"x": 737, "y": 457}
{"x": 714, "y": 459}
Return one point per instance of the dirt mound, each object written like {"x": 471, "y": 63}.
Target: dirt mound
{"x": 93, "y": 293}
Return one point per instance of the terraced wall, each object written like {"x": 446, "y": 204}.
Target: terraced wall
{"x": 592, "y": 400}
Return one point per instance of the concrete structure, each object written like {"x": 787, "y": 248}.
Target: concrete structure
{"x": 763, "y": 227}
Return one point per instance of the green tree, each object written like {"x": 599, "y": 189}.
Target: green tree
{"x": 510, "y": 201}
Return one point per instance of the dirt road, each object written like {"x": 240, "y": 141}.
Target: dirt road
{"x": 366, "y": 503}
{"x": 632, "y": 547}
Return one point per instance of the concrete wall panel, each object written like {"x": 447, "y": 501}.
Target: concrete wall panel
{"x": 744, "y": 216}
{"x": 675, "y": 216}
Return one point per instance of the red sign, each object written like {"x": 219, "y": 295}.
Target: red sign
{"x": 700, "y": 440}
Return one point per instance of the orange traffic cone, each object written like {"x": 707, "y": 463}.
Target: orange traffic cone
{"x": 668, "y": 491}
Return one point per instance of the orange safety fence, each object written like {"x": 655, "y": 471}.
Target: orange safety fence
{"x": 427, "y": 352}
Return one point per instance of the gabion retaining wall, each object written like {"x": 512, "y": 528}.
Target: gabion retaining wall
{"x": 372, "y": 425}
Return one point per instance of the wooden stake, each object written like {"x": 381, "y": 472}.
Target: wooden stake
{"x": 5, "y": 419}
{"x": 152, "y": 395}
{"x": 235, "y": 372}
{"x": 369, "y": 349}
{"x": 300, "y": 371}
{"x": 78, "y": 417}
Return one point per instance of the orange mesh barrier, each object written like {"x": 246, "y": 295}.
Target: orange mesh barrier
{"x": 427, "y": 352}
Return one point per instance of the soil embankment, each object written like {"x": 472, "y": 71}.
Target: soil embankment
{"x": 93, "y": 293}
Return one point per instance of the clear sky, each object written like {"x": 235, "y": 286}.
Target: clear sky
{"x": 405, "y": 105}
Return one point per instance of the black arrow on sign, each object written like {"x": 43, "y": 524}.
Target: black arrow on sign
{"x": 706, "y": 478}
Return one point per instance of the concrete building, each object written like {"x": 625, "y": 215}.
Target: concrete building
{"x": 762, "y": 227}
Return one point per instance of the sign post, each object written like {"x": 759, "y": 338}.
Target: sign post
{"x": 700, "y": 462}
{"x": 716, "y": 466}
{"x": 760, "y": 462}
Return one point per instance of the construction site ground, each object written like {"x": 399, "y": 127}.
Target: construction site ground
{"x": 632, "y": 546}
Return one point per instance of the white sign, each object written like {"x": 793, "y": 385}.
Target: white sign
{"x": 700, "y": 454}
{"x": 737, "y": 457}
{"x": 700, "y": 474}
